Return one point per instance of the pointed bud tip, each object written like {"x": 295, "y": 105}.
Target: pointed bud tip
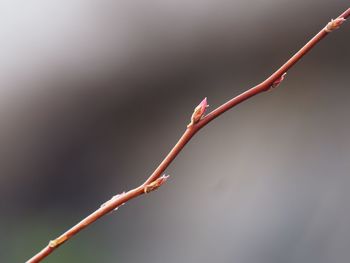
{"x": 165, "y": 177}
{"x": 161, "y": 180}
{"x": 203, "y": 105}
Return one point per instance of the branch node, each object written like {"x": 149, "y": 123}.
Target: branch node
{"x": 198, "y": 112}
{"x": 155, "y": 184}
{"x": 278, "y": 81}
{"x": 58, "y": 241}
{"x": 113, "y": 199}
{"x": 334, "y": 24}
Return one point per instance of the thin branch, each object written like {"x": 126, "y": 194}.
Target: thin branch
{"x": 198, "y": 121}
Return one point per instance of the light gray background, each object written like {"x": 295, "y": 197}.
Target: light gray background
{"x": 93, "y": 94}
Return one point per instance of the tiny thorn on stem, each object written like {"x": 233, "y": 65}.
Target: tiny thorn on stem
{"x": 198, "y": 112}
{"x": 278, "y": 81}
{"x": 155, "y": 184}
{"x": 57, "y": 241}
{"x": 334, "y": 24}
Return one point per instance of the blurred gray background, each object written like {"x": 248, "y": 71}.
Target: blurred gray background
{"x": 94, "y": 94}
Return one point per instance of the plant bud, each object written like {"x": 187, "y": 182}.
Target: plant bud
{"x": 334, "y": 24}
{"x": 279, "y": 80}
{"x": 199, "y": 112}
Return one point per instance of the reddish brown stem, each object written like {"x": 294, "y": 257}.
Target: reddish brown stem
{"x": 155, "y": 180}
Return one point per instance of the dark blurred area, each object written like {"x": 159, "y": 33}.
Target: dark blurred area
{"x": 95, "y": 93}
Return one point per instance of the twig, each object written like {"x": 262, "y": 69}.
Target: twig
{"x": 198, "y": 121}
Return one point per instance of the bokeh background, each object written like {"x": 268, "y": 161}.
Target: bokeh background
{"x": 95, "y": 93}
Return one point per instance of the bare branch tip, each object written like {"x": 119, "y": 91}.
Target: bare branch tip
{"x": 334, "y": 24}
